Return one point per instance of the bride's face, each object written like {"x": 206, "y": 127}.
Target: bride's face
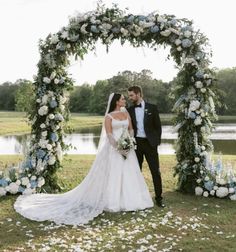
{"x": 121, "y": 102}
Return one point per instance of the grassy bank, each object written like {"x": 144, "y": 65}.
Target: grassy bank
{"x": 12, "y": 123}
{"x": 188, "y": 223}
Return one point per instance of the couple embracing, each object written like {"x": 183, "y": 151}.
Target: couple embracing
{"x": 115, "y": 182}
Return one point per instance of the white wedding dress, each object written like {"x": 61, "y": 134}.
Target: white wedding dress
{"x": 113, "y": 184}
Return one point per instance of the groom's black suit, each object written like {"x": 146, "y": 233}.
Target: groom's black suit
{"x": 148, "y": 146}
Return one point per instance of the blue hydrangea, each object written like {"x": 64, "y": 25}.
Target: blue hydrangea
{"x": 130, "y": 19}
{"x": 46, "y": 158}
{"x": 40, "y": 154}
{"x": 3, "y": 182}
{"x": 21, "y": 189}
{"x": 186, "y": 43}
{"x": 154, "y": 29}
{"x": 192, "y": 115}
{"x": 74, "y": 38}
{"x": 173, "y": 21}
{"x": 54, "y": 137}
{"x": 53, "y": 104}
{"x": 115, "y": 30}
{"x": 187, "y": 28}
{"x": 199, "y": 55}
{"x": 61, "y": 46}
{"x": 33, "y": 183}
{"x": 209, "y": 185}
{"x": 141, "y": 18}
{"x": 199, "y": 74}
{"x": 94, "y": 29}
{"x": 28, "y": 163}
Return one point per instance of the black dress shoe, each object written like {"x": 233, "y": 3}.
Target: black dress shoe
{"x": 160, "y": 203}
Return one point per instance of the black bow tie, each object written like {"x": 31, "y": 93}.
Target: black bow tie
{"x": 138, "y": 105}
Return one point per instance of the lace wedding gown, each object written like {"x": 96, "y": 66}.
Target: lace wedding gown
{"x": 113, "y": 184}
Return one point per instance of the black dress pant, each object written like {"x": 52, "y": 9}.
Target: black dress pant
{"x": 144, "y": 149}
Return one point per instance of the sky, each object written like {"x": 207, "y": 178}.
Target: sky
{"x": 24, "y": 22}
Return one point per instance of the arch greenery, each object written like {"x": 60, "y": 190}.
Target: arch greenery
{"x": 194, "y": 92}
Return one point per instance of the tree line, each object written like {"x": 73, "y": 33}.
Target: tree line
{"x": 88, "y": 98}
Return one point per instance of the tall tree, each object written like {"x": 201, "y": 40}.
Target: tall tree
{"x": 80, "y": 98}
{"x": 7, "y": 96}
{"x": 24, "y": 96}
{"x": 227, "y": 87}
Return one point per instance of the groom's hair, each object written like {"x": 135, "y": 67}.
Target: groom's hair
{"x": 136, "y": 90}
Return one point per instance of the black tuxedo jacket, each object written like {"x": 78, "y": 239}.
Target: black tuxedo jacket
{"x": 152, "y": 123}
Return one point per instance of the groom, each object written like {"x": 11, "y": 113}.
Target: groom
{"x": 147, "y": 131}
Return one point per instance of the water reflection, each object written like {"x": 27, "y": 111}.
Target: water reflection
{"x": 86, "y": 141}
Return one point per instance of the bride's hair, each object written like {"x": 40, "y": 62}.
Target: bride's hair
{"x": 115, "y": 98}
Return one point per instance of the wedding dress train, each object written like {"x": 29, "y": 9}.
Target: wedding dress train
{"x": 113, "y": 184}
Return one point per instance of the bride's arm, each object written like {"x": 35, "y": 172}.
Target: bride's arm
{"x": 108, "y": 129}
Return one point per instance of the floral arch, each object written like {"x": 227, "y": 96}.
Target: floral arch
{"x": 194, "y": 94}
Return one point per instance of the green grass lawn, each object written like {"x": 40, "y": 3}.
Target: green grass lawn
{"x": 188, "y": 223}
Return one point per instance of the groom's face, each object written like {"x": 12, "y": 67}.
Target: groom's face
{"x": 133, "y": 97}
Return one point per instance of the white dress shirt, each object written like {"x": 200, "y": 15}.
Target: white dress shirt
{"x": 139, "y": 112}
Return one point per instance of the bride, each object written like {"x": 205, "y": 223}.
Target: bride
{"x": 113, "y": 183}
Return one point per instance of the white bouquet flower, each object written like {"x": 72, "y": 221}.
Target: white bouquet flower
{"x": 194, "y": 105}
{"x": 49, "y": 146}
{"x": 51, "y": 116}
{"x": 2, "y": 191}
{"x": 231, "y": 190}
{"x": 125, "y": 142}
{"x": 13, "y": 188}
{"x": 33, "y": 177}
{"x": 59, "y": 152}
{"x": 18, "y": 182}
{"x": 45, "y": 99}
{"x": 198, "y": 84}
{"x": 198, "y": 191}
{"x": 41, "y": 182}
{"x": 187, "y": 34}
{"x": 198, "y": 120}
{"x": 51, "y": 160}
{"x": 161, "y": 19}
{"x": 42, "y": 126}
{"x": 62, "y": 99}
{"x": 165, "y": 33}
{"x": 25, "y": 181}
{"x": 44, "y": 133}
{"x": 232, "y": 197}
{"x": 178, "y": 42}
{"x": 83, "y": 28}
{"x": 43, "y": 110}
{"x": 212, "y": 192}
{"x": 222, "y": 192}
{"x": 54, "y": 39}
{"x": 46, "y": 80}
{"x": 124, "y": 31}
{"x": 206, "y": 194}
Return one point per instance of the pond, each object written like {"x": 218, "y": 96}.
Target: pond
{"x": 86, "y": 141}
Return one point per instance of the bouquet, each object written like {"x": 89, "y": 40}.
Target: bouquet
{"x": 125, "y": 143}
